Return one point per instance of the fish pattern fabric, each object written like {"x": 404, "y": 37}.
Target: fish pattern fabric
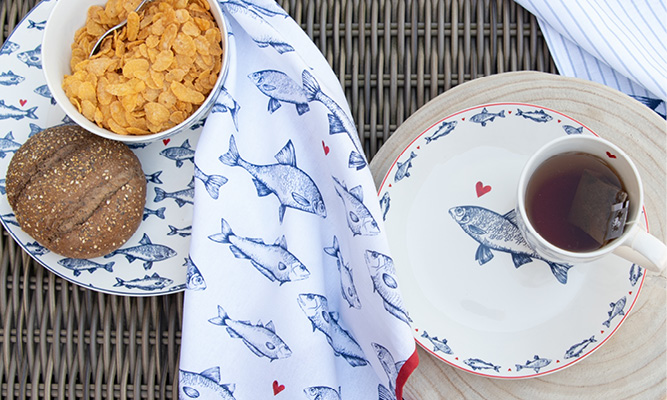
{"x": 291, "y": 290}
{"x": 617, "y": 43}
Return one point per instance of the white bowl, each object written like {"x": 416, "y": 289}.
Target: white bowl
{"x": 66, "y": 18}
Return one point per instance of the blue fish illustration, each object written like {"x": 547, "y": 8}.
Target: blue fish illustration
{"x": 34, "y": 129}
{"x": 182, "y": 232}
{"x": 158, "y": 213}
{"x": 537, "y": 116}
{"x": 9, "y": 47}
{"x": 343, "y": 344}
{"x": 476, "y": 364}
{"x": 359, "y": 219}
{"x": 383, "y": 274}
{"x": 3, "y": 189}
{"x": 443, "y": 130}
{"x": 384, "y": 393}
{"x": 390, "y": 367}
{"x": 135, "y": 146}
{"x": 181, "y": 197}
{"x": 69, "y": 121}
{"x": 322, "y": 393}
{"x": 635, "y": 274}
{"x": 35, "y": 248}
{"x": 616, "y": 310}
{"x": 262, "y": 32}
{"x": 198, "y": 124}
{"x": 9, "y": 78}
{"x": 293, "y": 187}
{"x": 45, "y": 92}
{"x": 10, "y": 219}
{"x": 79, "y": 264}
{"x": 36, "y": 25}
{"x": 177, "y": 288}
{"x": 147, "y": 283}
{"x": 204, "y": 385}
{"x": 145, "y": 251}
{"x": 16, "y": 113}
{"x": 403, "y": 168}
{"x": 194, "y": 279}
{"x": 535, "y": 364}
{"x": 571, "y": 130}
{"x": 438, "y": 344}
{"x": 339, "y": 121}
{"x": 499, "y": 232}
{"x": 226, "y": 103}
{"x": 384, "y": 205}
{"x": 485, "y": 116}
{"x": 212, "y": 183}
{"x": 650, "y": 102}
{"x": 266, "y": 7}
{"x": 180, "y": 153}
{"x": 273, "y": 260}
{"x": 577, "y": 349}
{"x": 8, "y": 145}
{"x": 280, "y": 87}
{"x": 260, "y": 339}
{"x": 154, "y": 178}
{"x": 348, "y": 290}
{"x": 32, "y": 58}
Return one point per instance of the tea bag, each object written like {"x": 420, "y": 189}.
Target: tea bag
{"x": 599, "y": 208}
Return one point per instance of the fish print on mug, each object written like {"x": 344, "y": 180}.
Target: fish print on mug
{"x": 291, "y": 185}
{"x": 261, "y": 339}
{"x": 499, "y": 232}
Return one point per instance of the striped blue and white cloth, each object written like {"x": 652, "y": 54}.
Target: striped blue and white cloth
{"x": 619, "y": 43}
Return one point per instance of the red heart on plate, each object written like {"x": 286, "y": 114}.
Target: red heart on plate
{"x": 325, "y": 148}
{"x": 277, "y": 388}
{"x": 23, "y": 102}
{"x": 481, "y": 189}
{"x": 166, "y": 141}
{"x": 610, "y": 155}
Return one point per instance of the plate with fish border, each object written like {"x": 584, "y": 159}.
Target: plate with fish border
{"x": 480, "y": 313}
{"x": 154, "y": 261}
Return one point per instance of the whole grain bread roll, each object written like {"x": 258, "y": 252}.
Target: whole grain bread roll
{"x": 77, "y": 194}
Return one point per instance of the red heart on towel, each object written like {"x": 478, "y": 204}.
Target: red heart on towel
{"x": 23, "y": 102}
{"x": 481, "y": 189}
{"x": 325, "y": 148}
{"x": 277, "y": 388}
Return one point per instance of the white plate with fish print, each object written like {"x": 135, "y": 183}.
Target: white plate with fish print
{"x": 154, "y": 260}
{"x": 470, "y": 305}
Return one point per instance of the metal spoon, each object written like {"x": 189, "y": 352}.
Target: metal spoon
{"x": 115, "y": 28}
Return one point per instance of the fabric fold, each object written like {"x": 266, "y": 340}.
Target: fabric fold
{"x": 291, "y": 288}
{"x": 617, "y": 43}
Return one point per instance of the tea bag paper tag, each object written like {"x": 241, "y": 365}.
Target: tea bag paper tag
{"x": 599, "y": 208}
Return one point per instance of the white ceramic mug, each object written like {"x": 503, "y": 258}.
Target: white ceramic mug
{"x": 635, "y": 244}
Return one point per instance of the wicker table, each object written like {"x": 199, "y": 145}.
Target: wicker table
{"x": 60, "y": 340}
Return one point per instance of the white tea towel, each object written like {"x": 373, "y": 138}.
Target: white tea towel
{"x": 291, "y": 289}
{"x": 619, "y": 43}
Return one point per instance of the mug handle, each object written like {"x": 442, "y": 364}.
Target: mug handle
{"x": 644, "y": 250}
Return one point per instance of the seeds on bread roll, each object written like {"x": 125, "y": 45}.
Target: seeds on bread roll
{"x": 77, "y": 194}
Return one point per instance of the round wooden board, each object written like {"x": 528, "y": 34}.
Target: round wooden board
{"x": 633, "y": 362}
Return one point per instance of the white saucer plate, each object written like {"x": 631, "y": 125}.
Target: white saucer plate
{"x": 487, "y": 316}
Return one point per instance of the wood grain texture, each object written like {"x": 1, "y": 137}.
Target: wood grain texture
{"x": 633, "y": 362}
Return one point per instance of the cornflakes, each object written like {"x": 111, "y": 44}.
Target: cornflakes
{"x": 153, "y": 73}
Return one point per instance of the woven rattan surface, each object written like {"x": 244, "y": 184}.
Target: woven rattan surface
{"x": 58, "y": 340}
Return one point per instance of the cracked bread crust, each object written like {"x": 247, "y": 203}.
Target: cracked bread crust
{"x": 79, "y": 195}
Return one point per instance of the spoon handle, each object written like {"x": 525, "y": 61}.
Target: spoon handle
{"x": 97, "y": 45}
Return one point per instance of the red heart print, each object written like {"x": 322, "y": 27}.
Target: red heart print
{"x": 325, "y": 148}
{"x": 23, "y": 102}
{"x": 277, "y": 388}
{"x": 610, "y": 155}
{"x": 481, "y": 189}
{"x": 166, "y": 141}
